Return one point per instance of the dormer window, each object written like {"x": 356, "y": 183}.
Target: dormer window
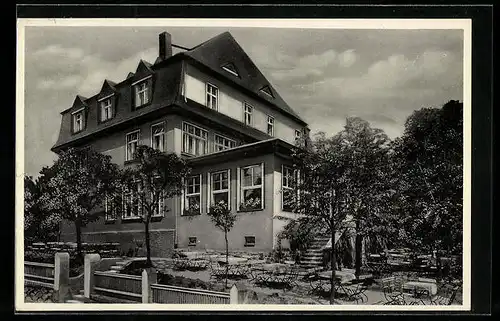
{"x": 230, "y": 68}
{"x": 297, "y": 134}
{"x": 266, "y": 90}
{"x": 142, "y": 92}
{"x": 78, "y": 120}
{"x": 212, "y": 96}
{"x": 106, "y": 109}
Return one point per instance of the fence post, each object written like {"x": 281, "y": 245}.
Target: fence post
{"x": 238, "y": 294}
{"x": 90, "y": 264}
{"x": 149, "y": 276}
{"x": 61, "y": 276}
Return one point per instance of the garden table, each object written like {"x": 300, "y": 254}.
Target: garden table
{"x": 420, "y": 288}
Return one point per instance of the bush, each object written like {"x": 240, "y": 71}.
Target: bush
{"x": 168, "y": 279}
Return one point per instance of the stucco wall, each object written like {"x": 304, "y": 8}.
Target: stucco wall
{"x": 231, "y": 104}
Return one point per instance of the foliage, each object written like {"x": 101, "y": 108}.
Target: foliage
{"x": 79, "y": 182}
{"x": 428, "y": 160}
{"x": 153, "y": 177}
{"x": 40, "y": 224}
{"x": 299, "y": 234}
{"x": 220, "y": 214}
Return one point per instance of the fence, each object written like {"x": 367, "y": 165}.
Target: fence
{"x": 120, "y": 285}
{"x": 178, "y": 295}
{"x": 41, "y": 274}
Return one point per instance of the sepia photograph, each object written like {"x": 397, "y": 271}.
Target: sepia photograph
{"x": 185, "y": 164}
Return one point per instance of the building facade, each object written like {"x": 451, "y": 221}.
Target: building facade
{"x": 211, "y": 105}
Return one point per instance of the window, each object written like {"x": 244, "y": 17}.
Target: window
{"x": 110, "y": 208}
{"x": 266, "y": 90}
{"x": 106, "y": 109}
{"x": 297, "y": 135}
{"x": 212, "y": 96}
{"x": 142, "y": 93}
{"x": 219, "y": 186}
{"x": 222, "y": 143}
{"x": 158, "y": 210}
{"x": 132, "y": 143}
{"x": 194, "y": 140}
{"x": 158, "y": 137}
{"x": 249, "y": 241}
{"x": 251, "y": 188}
{"x": 192, "y": 198}
{"x": 132, "y": 206}
{"x": 78, "y": 121}
{"x": 270, "y": 125}
{"x": 193, "y": 240}
{"x": 248, "y": 114}
{"x": 289, "y": 191}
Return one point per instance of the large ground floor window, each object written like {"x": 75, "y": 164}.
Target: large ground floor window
{"x": 251, "y": 187}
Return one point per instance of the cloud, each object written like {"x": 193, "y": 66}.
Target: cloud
{"x": 347, "y": 58}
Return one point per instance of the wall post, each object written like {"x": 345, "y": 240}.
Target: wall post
{"x": 91, "y": 261}
{"x": 61, "y": 276}
{"x": 239, "y": 294}
{"x": 149, "y": 276}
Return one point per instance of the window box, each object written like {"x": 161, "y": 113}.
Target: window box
{"x": 131, "y": 219}
{"x": 109, "y": 221}
{"x": 251, "y": 205}
{"x": 191, "y": 212}
{"x": 156, "y": 218}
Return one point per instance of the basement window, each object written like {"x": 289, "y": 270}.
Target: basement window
{"x": 249, "y": 241}
{"x": 193, "y": 240}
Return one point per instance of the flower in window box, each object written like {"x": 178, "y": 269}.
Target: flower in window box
{"x": 193, "y": 209}
{"x": 251, "y": 204}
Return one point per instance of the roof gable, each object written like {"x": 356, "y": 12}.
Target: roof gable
{"x": 222, "y": 50}
{"x": 79, "y": 102}
{"x": 143, "y": 69}
{"x": 108, "y": 88}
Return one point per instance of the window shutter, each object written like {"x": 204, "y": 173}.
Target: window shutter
{"x": 238, "y": 189}
{"x": 209, "y": 191}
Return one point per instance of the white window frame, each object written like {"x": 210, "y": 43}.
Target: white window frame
{"x": 242, "y": 189}
{"x": 195, "y": 138}
{"x": 283, "y": 187}
{"x": 127, "y": 156}
{"x": 128, "y": 198}
{"x": 162, "y": 134}
{"x": 186, "y": 194}
{"x": 158, "y": 211}
{"x": 224, "y": 147}
{"x": 138, "y": 91}
{"x": 211, "y": 191}
{"x": 249, "y": 113}
{"x": 210, "y": 96}
{"x": 270, "y": 122}
{"x": 74, "y": 114}
{"x": 106, "y": 107}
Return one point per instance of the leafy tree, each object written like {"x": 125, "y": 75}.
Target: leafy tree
{"x": 323, "y": 187}
{"x": 153, "y": 177}
{"x": 222, "y": 217}
{"x": 367, "y": 151}
{"x": 79, "y": 181}
{"x": 428, "y": 160}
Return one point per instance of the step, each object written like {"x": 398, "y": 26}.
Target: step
{"x": 316, "y": 256}
{"x": 121, "y": 263}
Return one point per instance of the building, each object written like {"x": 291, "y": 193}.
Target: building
{"x": 213, "y": 106}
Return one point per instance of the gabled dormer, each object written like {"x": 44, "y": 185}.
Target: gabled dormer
{"x": 231, "y": 69}
{"x": 142, "y": 85}
{"x": 107, "y": 101}
{"x": 267, "y": 90}
{"x": 79, "y": 112}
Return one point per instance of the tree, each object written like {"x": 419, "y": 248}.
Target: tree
{"x": 367, "y": 151}
{"x": 322, "y": 166}
{"x": 428, "y": 159}
{"x": 153, "y": 177}
{"x": 222, "y": 217}
{"x": 78, "y": 184}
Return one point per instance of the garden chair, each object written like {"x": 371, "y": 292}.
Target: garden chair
{"x": 446, "y": 295}
{"x": 392, "y": 288}
{"x": 355, "y": 290}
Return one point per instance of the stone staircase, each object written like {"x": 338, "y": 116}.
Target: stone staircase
{"x": 313, "y": 257}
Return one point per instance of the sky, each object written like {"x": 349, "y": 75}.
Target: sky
{"x": 325, "y": 75}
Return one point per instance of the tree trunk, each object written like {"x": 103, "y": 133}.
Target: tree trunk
{"x": 227, "y": 255}
{"x": 358, "y": 249}
{"x": 79, "y": 240}
{"x": 148, "y": 246}
{"x": 333, "y": 261}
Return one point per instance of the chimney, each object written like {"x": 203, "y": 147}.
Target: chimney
{"x": 165, "y": 48}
